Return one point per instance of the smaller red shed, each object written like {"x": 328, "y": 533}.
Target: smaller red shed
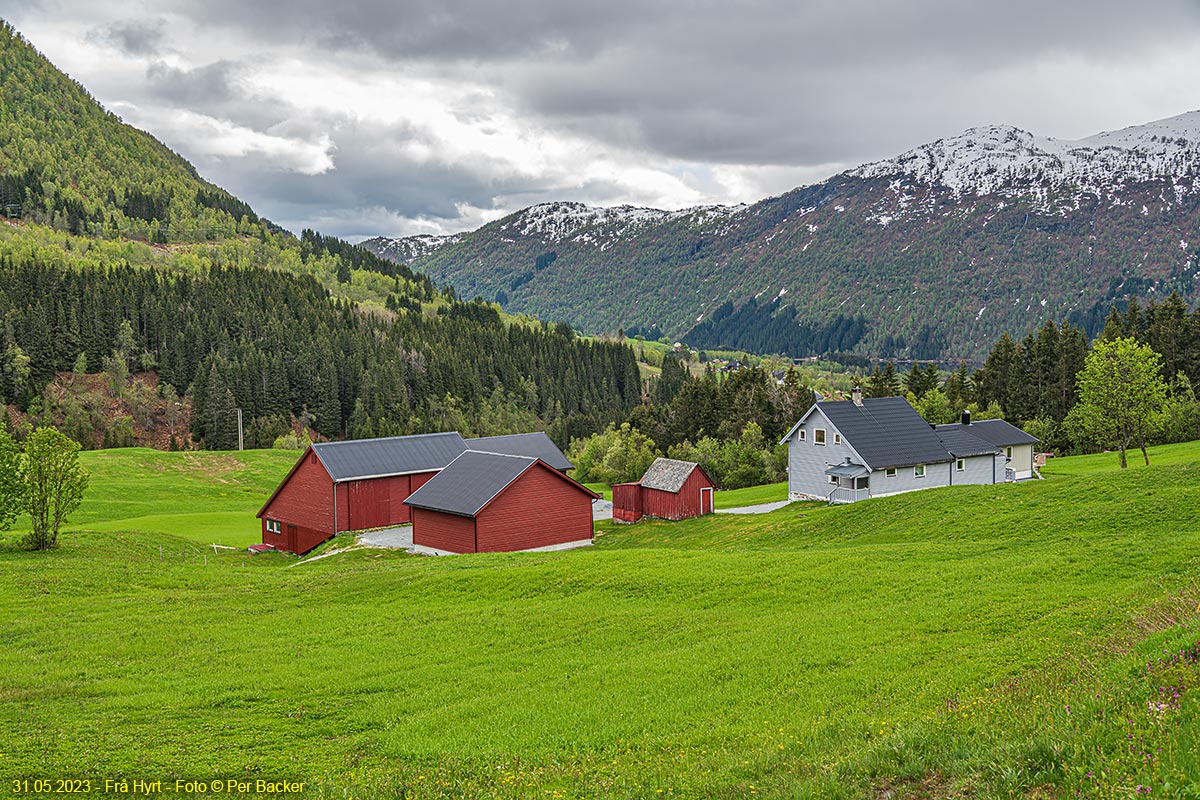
{"x": 670, "y": 489}
{"x": 492, "y": 502}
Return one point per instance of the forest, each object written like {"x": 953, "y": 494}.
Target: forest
{"x": 1032, "y": 382}
{"x": 280, "y": 347}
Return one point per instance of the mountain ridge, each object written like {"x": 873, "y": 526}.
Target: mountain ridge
{"x": 997, "y": 228}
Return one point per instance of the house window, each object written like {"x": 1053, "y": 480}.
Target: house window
{"x": 802, "y": 432}
{"x": 833, "y": 479}
{"x": 1008, "y": 452}
{"x": 273, "y": 526}
{"x": 960, "y": 465}
{"x": 919, "y": 471}
{"x": 819, "y": 436}
{"x": 837, "y": 438}
{"x": 891, "y": 472}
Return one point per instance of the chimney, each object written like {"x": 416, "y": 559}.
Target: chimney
{"x": 966, "y": 417}
{"x": 856, "y": 396}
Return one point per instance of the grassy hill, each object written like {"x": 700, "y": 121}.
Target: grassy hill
{"x": 1037, "y": 640}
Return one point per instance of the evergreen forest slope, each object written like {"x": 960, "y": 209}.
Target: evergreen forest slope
{"x": 116, "y": 256}
{"x": 931, "y": 254}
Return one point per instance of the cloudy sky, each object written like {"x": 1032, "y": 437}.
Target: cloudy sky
{"x": 399, "y": 117}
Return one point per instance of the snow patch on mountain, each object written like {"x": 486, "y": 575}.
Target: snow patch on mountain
{"x": 998, "y": 159}
{"x": 407, "y": 248}
{"x": 579, "y": 222}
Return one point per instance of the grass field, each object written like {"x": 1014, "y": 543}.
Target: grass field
{"x": 201, "y": 496}
{"x": 1037, "y": 640}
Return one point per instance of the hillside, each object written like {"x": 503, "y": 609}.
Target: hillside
{"x": 117, "y": 257}
{"x": 933, "y": 253}
{"x": 908, "y": 646}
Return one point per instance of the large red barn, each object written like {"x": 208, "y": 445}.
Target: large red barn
{"x": 363, "y": 483}
{"x": 670, "y": 489}
{"x": 490, "y": 502}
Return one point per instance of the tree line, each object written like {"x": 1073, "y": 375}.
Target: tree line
{"x": 281, "y": 348}
{"x": 729, "y": 423}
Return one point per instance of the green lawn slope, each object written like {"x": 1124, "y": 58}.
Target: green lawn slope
{"x": 1032, "y": 640}
{"x": 205, "y": 497}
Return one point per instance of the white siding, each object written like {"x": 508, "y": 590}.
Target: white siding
{"x": 1022, "y": 461}
{"x": 906, "y": 481}
{"x": 979, "y": 469}
{"x": 807, "y": 462}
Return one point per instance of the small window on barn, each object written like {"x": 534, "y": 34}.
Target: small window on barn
{"x": 890, "y": 472}
{"x": 960, "y": 465}
{"x": 919, "y": 471}
{"x": 802, "y": 432}
{"x": 837, "y": 438}
{"x": 819, "y": 436}
{"x": 833, "y": 479}
{"x": 273, "y": 526}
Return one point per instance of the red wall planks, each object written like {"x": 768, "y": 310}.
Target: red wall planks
{"x": 627, "y": 502}
{"x": 677, "y": 505}
{"x": 538, "y": 509}
{"x": 443, "y": 531}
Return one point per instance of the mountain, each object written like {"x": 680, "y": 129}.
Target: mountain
{"x": 117, "y": 258}
{"x": 933, "y": 253}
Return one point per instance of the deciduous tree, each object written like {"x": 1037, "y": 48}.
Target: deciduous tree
{"x": 1121, "y": 396}
{"x": 55, "y": 484}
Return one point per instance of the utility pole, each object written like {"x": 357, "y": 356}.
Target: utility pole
{"x": 240, "y": 442}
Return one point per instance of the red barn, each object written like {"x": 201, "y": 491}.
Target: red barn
{"x": 670, "y": 489}
{"x": 492, "y": 502}
{"x": 363, "y": 483}
{"x": 352, "y": 485}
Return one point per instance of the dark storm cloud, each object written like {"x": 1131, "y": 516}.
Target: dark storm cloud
{"x": 615, "y": 100}
{"x": 135, "y": 37}
{"x": 756, "y": 82}
{"x": 203, "y": 87}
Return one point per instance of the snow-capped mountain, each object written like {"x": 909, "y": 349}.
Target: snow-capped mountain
{"x": 932, "y": 253}
{"x": 1001, "y": 158}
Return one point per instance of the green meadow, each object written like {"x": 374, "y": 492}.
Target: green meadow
{"x": 1034, "y": 640}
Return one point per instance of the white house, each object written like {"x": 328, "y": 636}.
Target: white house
{"x": 854, "y": 449}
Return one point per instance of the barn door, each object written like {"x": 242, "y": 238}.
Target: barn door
{"x": 291, "y": 538}
{"x": 706, "y": 500}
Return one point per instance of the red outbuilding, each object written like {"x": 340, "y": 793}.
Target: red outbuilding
{"x": 491, "y": 502}
{"x": 363, "y": 483}
{"x": 670, "y": 489}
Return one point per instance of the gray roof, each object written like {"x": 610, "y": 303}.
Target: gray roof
{"x": 537, "y": 445}
{"x": 396, "y": 455}
{"x": 886, "y": 432}
{"x": 994, "y": 431}
{"x": 667, "y": 474}
{"x": 469, "y": 482}
{"x": 848, "y": 470}
{"x": 962, "y": 444}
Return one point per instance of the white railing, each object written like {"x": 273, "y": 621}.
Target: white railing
{"x": 846, "y": 495}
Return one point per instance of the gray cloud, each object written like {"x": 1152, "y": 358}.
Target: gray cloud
{"x": 616, "y": 100}
{"x": 134, "y": 37}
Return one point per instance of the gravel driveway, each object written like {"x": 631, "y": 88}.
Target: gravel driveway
{"x": 395, "y": 538}
{"x": 761, "y": 508}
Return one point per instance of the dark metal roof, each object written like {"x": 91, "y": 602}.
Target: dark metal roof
{"x": 668, "y": 474}
{"x": 962, "y": 444}
{"x": 886, "y": 432}
{"x": 994, "y": 431}
{"x": 469, "y": 482}
{"x": 848, "y": 470}
{"x": 396, "y": 455}
{"x": 536, "y": 445}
